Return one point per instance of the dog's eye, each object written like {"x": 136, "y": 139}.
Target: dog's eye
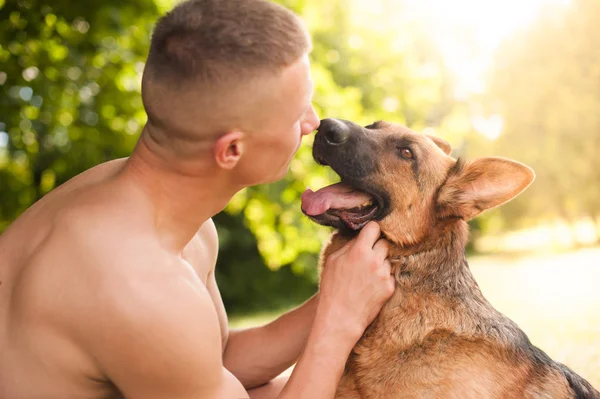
{"x": 406, "y": 153}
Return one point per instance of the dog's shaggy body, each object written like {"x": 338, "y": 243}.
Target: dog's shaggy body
{"x": 437, "y": 337}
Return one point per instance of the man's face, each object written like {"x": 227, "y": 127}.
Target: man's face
{"x": 285, "y": 115}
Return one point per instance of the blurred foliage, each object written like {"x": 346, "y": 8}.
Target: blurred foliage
{"x": 69, "y": 78}
{"x": 546, "y": 84}
{"x": 70, "y": 98}
{"x": 245, "y": 283}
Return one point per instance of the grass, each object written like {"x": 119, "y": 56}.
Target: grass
{"x": 555, "y": 299}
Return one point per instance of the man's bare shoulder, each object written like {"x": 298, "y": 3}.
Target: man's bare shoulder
{"x": 77, "y": 240}
{"x": 101, "y": 232}
{"x": 134, "y": 304}
{"x": 101, "y": 248}
{"x": 201, "y": 252}
{"x": 156, "y": 335}
{"x": 207, "y": 233}
{"x": 166, "y": 298}
{"x": 141, "y": 314}
{"x": 92, "y": 260}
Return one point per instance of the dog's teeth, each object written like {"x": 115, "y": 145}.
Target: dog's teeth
{"x": 367, "y": 203}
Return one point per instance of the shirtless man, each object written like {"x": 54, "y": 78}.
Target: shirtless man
{"x": 107, "y": 284}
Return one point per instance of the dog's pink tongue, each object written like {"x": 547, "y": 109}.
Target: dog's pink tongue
{"x": 336, "y": 196}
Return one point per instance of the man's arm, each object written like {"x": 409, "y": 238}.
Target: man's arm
{"x": 354, "y": 286}
{"x": 257, "y": 355}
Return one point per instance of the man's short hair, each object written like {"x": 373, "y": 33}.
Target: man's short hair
{"x": 209, "y": 39}
{"x": 216, "y": 44}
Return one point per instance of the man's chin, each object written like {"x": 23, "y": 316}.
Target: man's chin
{"x": 273, "y": 178}
{"x": 282, "y": 173}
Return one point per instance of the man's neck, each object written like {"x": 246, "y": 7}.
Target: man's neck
{"x": 182, "y": 195}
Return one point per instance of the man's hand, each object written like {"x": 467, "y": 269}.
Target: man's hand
{"x": 356, "y": 282}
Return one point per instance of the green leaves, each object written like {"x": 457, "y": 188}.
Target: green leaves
{"x": 60, "y": 66}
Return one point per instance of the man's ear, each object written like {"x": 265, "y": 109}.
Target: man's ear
{"x": 485, "y": 183}
{"x": 443, "y": 144}
{"x": 228, "y": 149}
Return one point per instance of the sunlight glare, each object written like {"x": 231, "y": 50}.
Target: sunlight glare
{"x": 466, "y": 31}
{"x": 490, "y": 127}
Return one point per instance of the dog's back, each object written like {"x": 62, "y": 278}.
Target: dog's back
{"x": 580, "y": 387}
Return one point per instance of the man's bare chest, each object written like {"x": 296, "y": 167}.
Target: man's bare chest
{"x": 199, "y": 259}
{"x": 201, "y": 255}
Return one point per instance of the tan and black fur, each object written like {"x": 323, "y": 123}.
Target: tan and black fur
{"x": 437, "y": 337}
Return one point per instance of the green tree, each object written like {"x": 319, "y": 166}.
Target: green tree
{"x": 69, "y": 78}
{"x": 547, "y": 85}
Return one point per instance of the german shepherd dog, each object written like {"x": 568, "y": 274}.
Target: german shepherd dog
{"x": 437, "y": 337}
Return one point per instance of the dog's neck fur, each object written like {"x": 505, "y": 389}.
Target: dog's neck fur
{"x": 438, "y": 264}
{"x": 434, "y": 287}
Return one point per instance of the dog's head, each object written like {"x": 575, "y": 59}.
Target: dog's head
{"x": 405, "y": 180}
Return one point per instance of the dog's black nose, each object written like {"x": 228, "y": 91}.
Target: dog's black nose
{"x": 335, "y": 131}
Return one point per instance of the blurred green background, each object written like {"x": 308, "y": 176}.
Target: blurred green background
{"x": 519, "y": 79}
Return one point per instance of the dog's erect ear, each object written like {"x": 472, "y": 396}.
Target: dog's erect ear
{"x": 485, "y": 183}
{"x": 443, "y": 144}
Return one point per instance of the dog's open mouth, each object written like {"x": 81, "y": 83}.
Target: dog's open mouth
{"x": 340, "y": 205}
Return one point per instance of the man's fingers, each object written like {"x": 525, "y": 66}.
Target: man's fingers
{"x": 391, "y": 280}
{"x": 368, "y": 235}
{"x": 387, "y": 266}
{"x": 341, "y": 251}
{"x": 381, "y": 248}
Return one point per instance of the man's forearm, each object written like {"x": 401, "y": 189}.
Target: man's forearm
{"x": 319, "y": 370}
{"x": 257, "y": 355}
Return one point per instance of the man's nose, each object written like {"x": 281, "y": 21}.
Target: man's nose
{"x": 311, "y": 121}
{"x": 335, "y": 131}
